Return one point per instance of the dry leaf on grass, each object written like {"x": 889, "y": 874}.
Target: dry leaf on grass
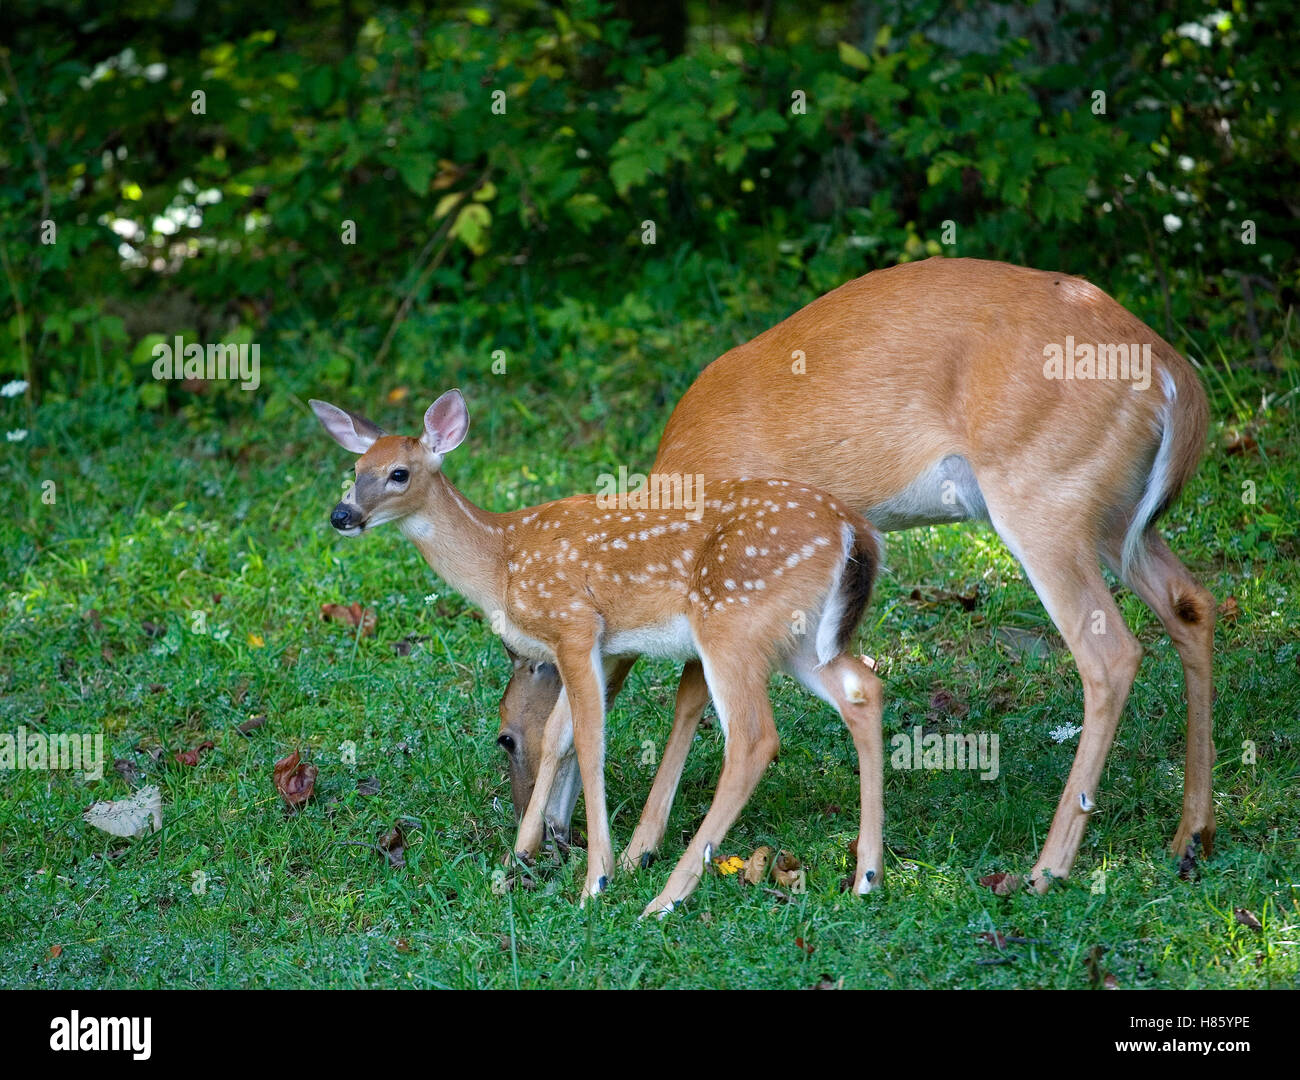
{"x": 788, "y": 871}
{"x": 134, "y": 816}
{"x": 1001, "y": 884}
{"x": 729, "y": 864}
{"x": 55, "y": 952}
{"x": 1229, "y": 609}
{"x": 1247, "y": 918}
{"x": 295, "y": 780}
{"x": 352, "y": 615}
{"x": 252, "y": 724}
{"x": 191, "y": 757}
{"x": 756, "y": 865}
{"x": 393, "y": 845}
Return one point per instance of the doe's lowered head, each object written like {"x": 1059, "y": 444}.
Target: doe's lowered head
{"x": 392, "y": 472}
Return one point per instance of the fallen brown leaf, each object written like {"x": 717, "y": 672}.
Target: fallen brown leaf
{"x": 295, "y": 780}
{"x": 368, "y": 786}
{"x": 191, "y": 757}
{"x": 1001, "y": 884}
{"x": 786, "y": 870}
{"x": 352, "y": 614}
{"x": 393, "y": 845}
{"x": 1229, "y": 609}
{"x": 1247, "y": 918}
{"x": 756, "y": 865}
{"x": 252, "y": 723}
{"x": 55, "y": 952}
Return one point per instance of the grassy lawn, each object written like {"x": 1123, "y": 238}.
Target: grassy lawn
{"x": 159, "y": 518}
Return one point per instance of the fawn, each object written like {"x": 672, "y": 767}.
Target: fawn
{"x": 773, "y": 574}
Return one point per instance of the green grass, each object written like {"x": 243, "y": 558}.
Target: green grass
{"x": 156, "y": 517}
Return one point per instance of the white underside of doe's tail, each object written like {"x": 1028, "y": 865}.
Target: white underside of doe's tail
{"x": 1157, "y": 486}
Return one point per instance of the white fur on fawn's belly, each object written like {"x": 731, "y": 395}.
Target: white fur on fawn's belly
{"x": 667, "y": 641}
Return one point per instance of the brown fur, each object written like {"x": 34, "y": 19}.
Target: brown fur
{"x": 911, "y": 364}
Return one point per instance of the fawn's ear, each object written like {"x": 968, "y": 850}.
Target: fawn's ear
{"x": 350, "y": 431}
{"x": 445, "y": 423}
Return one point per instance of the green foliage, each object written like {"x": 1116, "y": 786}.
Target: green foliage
{"x": 467, "y": 174}
{"x": 770, "y": 167}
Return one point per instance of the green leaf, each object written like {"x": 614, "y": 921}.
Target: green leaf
{"x": 853, "y": 57}
{"x": 320, "y": 86}
{"x": 471, "y": 227}
{"x": 416, "y": 171}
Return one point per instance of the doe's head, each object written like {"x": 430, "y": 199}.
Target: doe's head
{"x": 393, "y": 472}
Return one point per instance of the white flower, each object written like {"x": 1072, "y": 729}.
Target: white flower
{"x": 432, "y": 598}
{"x": 1064, "y": 732}
{"x": 13, "y": 389}
{"x": 17, "y": 436}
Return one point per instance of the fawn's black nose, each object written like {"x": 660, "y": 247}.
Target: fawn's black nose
{"x": 341, "y": 518}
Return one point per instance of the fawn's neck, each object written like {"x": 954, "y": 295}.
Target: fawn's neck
{"x": 462, "y": 544}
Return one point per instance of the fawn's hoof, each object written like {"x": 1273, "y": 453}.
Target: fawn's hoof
{"x": 660, "y": 907}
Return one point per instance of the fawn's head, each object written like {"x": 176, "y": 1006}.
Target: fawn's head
{"x": 393, "y": 472}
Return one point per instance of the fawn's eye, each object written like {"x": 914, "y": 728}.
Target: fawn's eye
{"x": 507, "y": 743}
{"x": 399, "y": 476}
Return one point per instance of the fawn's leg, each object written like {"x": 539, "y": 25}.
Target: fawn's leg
{"x": 1186, "y": 609}
{"x": 739, "y": 689}
{"x": 581, "y": 668}
{"x": 692, "y": 697}
{"x": 855, "y": 691}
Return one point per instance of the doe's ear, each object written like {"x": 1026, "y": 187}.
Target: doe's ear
{"x": 350, "y": 431}
{"x": 445, "y": 423}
